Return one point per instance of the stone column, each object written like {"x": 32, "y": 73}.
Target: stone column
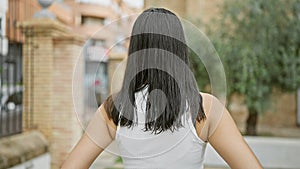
{"x": 50, "y": 53}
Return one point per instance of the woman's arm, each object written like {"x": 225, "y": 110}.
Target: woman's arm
{"x": 83, "y": 155}
{"x": 98, "y": 135}
{"x": 227, "y": 139}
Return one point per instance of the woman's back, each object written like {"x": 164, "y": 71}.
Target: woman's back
{"x": 158, "y": 132}
{"x": 181, "y": 148}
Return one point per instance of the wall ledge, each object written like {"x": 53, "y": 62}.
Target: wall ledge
{"x": 22, "y": 147}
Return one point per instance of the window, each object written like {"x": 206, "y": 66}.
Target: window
{"x": 90, "y": 20}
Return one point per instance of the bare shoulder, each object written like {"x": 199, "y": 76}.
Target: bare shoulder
{"x": 209, "y": 101}
{"x": 206, "y": 103}
{"x": 212, "y": 108}
{"x": 109, "y": 121}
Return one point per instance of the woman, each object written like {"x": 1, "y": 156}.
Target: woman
{"x": 158, "y": 118}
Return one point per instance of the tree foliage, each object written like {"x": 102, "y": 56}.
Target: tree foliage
{"x": 259, "y": 42}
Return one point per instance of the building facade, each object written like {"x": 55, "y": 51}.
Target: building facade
{"x": 37, "y": 70}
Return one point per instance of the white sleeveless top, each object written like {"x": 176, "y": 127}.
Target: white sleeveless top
{"x": 180, "y": 149}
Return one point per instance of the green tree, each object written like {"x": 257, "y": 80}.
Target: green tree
{"x": 259, "y": 43}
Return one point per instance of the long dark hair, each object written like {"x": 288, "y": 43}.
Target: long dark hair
{"x": 157, "y": 60}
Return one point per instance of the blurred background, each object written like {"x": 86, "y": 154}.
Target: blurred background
{"x": 43, "y": 42}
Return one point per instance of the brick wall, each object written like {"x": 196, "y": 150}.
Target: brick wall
{"x": 179, "y": 7}
{"x": 280, "y": 114}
